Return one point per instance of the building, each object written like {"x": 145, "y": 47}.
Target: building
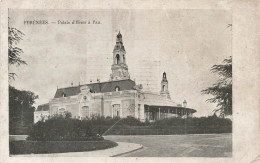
{"x": 120, "y": 96}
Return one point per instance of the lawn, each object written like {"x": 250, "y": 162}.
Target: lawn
{"x": 37, "y": 147}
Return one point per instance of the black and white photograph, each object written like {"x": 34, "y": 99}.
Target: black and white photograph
{"x": 129, "y": 81}
{"x": 120, "y": 83}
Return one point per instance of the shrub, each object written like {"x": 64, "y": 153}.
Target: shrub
{"x": 61, "y": 128}
{"x": 202, "y": 125}
{"x": 202, "y": 121}
{"x": 131, "y": 121}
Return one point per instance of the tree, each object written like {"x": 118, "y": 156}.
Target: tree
{"x": 14, "y": 52}
{"x": 20, "y": 110}
{"x": 222, "y": 89}
{"x": 20, "y": 102}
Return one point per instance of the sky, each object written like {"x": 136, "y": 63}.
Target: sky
{"x": 182, "y": 43}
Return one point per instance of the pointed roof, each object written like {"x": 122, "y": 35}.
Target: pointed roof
{"x": 119, "y": 42}
{"x": 119, "y": 38}
{"x": 164, "y": 78}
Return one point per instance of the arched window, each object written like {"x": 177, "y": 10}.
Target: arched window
{"x": 117, "y": 59}
{"x": 117, "y": 88}
{"x": 163, "y": 87}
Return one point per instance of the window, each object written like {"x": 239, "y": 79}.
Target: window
{"x": 85, "y": 111}
{"x": 124, "y": 58}
{"x": 163, "y": 87}
{"x": 117, "y": 88}
{"x": 139, "y": 106}
{"x": 117, "y": 59}
{"x": 63, "y": 95}
{"x": 116, "y": 110}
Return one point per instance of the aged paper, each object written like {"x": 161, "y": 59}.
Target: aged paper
{"x": 89, "y": 58}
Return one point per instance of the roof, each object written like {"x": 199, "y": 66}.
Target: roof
{"x": 43, "y": 107}
{"x": 97, "y": 87}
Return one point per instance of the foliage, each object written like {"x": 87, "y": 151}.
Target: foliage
{"x": 202, "y": 125}
{"x": 101, "y": 120}
{"x": 14, "y": 52}
{"x": 222, "y": 89}
{"x": 193, "y": 121}
{"x": 36, "y": 147}
{"x": 20, "y": 102}
{"x": 131, "y": 121}
{"x": 133, "y": 126}
{"x": 63, "y": 128}
{"x": 175, "y": 121}
{"x": 20, "y": 110}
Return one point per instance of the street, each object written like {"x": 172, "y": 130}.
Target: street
{"x": 204, "y": 145}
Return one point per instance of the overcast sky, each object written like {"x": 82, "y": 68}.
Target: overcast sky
{"x": 183, "y": 43}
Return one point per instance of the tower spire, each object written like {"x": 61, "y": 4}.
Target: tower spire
{"x": 164, "y": 87}
{"x": 119, "y": 67}
{"x": 119, "y": 39}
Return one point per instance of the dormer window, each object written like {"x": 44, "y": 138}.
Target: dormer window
{"x": 117, "y": 89}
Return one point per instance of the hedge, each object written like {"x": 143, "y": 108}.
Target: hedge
{"x": 63, "y": 128}
{"x": 169, "y": 131}
{"x": 66, "y": 128}
{"x": 170, "y": 126}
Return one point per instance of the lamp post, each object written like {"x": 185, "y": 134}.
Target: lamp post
{"x": 185, "y": 103}
{"x": 22, "y": 113}
{"x": 102, "y": 98}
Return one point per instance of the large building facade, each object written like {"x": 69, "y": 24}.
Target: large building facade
{"x": 120, "y": 96}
